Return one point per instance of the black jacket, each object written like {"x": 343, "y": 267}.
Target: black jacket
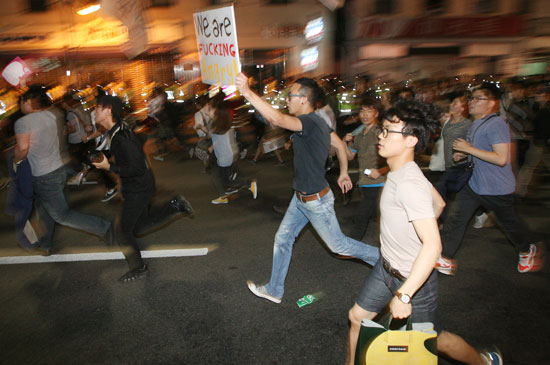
{"x": 129, "y": 161}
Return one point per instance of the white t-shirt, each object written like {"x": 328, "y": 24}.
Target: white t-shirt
{"x": 225, "y": 148}
{"x": 43, "y": 155}
{"x": 406, "y": 197}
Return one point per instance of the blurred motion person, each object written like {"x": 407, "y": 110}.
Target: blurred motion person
{"x": 37, "y": 140}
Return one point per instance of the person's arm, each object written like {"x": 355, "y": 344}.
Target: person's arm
{"x": 498, "y": 156}
{"x": 428, "y": 233}
{"x": 271, "y": 114}
{"x": 351, "y": 153}
{"x": 344, "y": 180}
{"x": 438, "y": 203}
{"x": 22, "y": 147}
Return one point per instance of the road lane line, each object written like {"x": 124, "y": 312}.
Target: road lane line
{"x": 98, "y": 256}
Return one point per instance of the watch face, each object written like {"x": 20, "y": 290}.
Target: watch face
{"x": 405, "y": 298}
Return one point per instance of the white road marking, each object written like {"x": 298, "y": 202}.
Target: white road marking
{"x": 97, "y": 256}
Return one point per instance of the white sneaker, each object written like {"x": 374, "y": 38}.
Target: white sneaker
{"x": 261, "y": 291}
{"x": 479, "y": 220}
{"x": 76, "y": 180}
{"x": 254, "y": 189}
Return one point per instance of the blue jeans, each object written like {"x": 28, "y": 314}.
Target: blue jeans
{"x": 52, "y": 207}
{"x": 320, "y": 213}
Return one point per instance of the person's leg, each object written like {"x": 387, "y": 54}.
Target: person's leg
{"x": 218, "y": 178}
{"x": 158, "y": 215}
{"x": 49, "y": 190}
{"x": 515, "y": 229}
{"x": 454, "y": 347}
{"x": 365, "y": 211}
{"x": 532, "y": 158}
{"x": 323, "y": 218}
{"x": 291, "y": 225}
{"x": 134, "y": 209}
{"x": 374, "y": 296}
{"x": 464, "y": 206}
{"x": 46, "y": 222}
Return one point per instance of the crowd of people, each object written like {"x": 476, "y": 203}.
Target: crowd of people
{"x": 485, "y": 142}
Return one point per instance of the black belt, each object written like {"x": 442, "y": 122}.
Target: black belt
{"x": 393, "y": 272}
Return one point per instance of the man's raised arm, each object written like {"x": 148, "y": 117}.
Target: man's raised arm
{"x": 271, "y": 114}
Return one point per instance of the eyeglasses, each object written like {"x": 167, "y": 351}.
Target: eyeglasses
{"x": 295, "y": 95}
{"x": 385, "y": 132}
{"x": 477, "y": 98}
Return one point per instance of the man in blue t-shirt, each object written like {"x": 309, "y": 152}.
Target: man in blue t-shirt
{"x": 492, "y": 184}
{"x": 313, "y": 200}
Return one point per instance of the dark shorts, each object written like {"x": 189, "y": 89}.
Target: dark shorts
{"x": 380, "y": 287}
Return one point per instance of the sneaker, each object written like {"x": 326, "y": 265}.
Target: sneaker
{"x": 482, "y": 220}
{"x": 110, "y": 194}
{"x": 231, "y": 191}
{"x": 446, "y": 266}
{"x": 254, "y": 189}
{"x": 261, "y": 291}
{"x": 243, "y": 154}
{"x": 531, "y": 261}
{"x": 158, "y": 158}
{"x": 280, "y": 163}
{"x": 492, "y": 357}
{"x": 135, "y": 274}
{"x": 221, "y": 200}
{"x": 76, "y": 180}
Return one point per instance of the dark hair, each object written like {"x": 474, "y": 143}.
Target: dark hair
{"x": 114, "y": 103}
{"x": 69, "y": 99}
{"x": 311, "y": 90}
{"x": 222, "y": 120}
{"x": 37, "y": 93}
{"x": 420, "y": 119}
{"x": 490, "y": 90}
{"x": 371, "y": 102}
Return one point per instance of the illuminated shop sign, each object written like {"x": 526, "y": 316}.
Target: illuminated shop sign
{"x": 314, "y": 30}
{"x": 309, "y": 59}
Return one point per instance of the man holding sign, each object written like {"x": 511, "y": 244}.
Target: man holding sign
{"x": 313, "y": 200}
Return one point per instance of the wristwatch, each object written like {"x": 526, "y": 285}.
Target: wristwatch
{"x": 405, "y": 298}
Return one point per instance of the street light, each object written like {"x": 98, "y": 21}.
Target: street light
{"x": 89, "y": 9}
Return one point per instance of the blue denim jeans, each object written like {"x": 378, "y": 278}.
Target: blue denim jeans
{"x": 320, "y": 213}
{"x": 52, "y": 207}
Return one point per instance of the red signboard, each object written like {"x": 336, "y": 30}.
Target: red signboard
{"x": 487, "y": 26}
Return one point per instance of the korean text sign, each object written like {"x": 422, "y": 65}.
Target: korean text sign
{"x": 217, "y": 44}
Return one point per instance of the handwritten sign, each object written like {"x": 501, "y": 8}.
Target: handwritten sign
{"x": 217, "y": 44}
{"x": 16, "y": 71}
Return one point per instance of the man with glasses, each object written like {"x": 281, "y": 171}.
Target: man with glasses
{"x": 410, "y": 244}
{"x": 313, "y": 201}
{"x": 492, "y": 184}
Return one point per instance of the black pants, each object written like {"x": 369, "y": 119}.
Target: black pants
{"x": 137, "y": 218}
{"x": 222, "y": 178}
{"x": 451, "y": 181}
{"x": 365, "y": 211}
{"x": 465, "y": 205}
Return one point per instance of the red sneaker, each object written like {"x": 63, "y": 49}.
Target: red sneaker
{"x": 533, "y": 260}
{"x": 446, "y": 266}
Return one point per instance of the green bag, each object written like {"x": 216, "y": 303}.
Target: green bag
{"x": 414, "y": 344}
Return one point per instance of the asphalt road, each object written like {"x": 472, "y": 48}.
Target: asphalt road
{"x": 197, "y": 310}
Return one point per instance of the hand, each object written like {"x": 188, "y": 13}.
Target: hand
{"x": 85, "y": 139}
{"x": 348, "y": 137}
{"x": 288, "y": 145}
{"x": 461, "y": 145}
{"x": 459, "y": 156}
{"x": 398, "y": 309}
{"x": 345, "y": 184}
{"x": 374, "y": 174}
{"x": 211, "y": 149}
{"x": 103, "y": 165}
{"x": 242, "y": 84}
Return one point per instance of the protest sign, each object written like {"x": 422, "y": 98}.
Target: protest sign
{"x": 216, "y": 33}
{"x": 16, "y": 71}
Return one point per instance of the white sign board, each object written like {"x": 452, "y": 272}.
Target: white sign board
{"x": 217, "y": 44}
{"x": 16, "y": 71}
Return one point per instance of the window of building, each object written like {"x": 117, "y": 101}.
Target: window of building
{"x": 160, "y": 3}
{"x": 384, "y": 7}
{"x": 38, "y": 5}
{"x": 435, "y": 6}
{"x": 486, "y": 6}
